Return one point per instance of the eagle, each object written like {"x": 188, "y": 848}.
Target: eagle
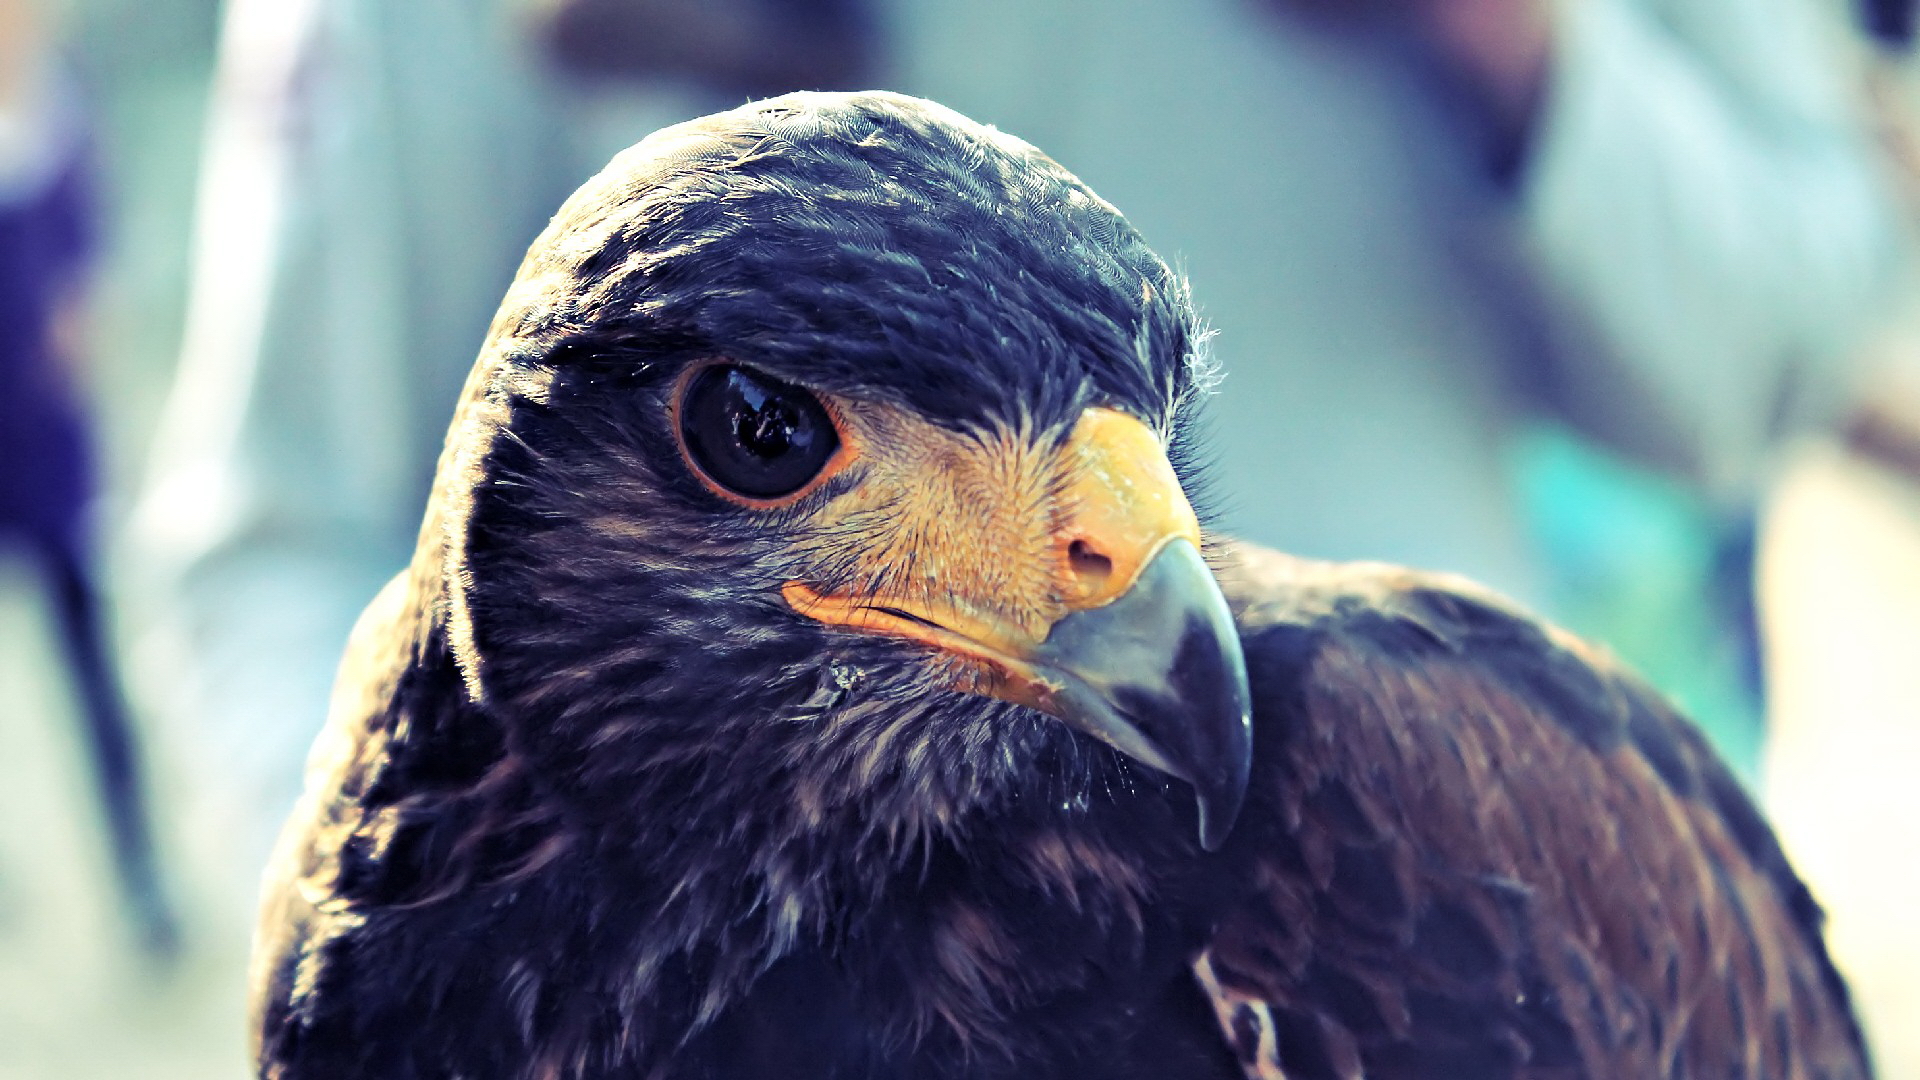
{"x": 813, "y": 666}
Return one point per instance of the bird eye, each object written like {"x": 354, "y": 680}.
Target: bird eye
{"x": 753, "y": 435}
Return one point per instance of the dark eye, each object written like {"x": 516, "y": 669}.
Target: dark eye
{"x": 752, "y": 434}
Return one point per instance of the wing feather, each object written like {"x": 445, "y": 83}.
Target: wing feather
{"x": 1478, "y": 848}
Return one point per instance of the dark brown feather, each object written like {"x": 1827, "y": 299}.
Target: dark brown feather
{"x": 1480, "y": 849}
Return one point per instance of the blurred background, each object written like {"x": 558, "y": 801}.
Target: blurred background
{"x": 1607, "y": 303}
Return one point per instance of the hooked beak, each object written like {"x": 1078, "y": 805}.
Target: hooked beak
{"x": 1158, "y": 675}
{"x": 1137, "y": 648}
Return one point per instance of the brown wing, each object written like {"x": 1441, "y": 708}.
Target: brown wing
{"x": 1479, "y": 849}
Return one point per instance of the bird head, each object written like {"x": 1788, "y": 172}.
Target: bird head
{"x": 831, "y": 452}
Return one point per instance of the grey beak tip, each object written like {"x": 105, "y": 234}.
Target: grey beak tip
{"x": 1220, "y": 803}
{"x": 1214, "y": 828}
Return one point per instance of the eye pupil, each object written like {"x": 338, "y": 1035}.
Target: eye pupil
{"x": 752, "y": 434}
{"x": 768, "y": 432}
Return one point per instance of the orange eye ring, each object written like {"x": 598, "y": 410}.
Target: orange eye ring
{"x": 734, "y": 422}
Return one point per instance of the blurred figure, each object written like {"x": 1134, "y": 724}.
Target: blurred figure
{"x": 374, "y": 171}
{"x": 47, "y": 226}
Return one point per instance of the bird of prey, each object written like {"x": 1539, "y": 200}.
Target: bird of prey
{"x": 813, "y": 667}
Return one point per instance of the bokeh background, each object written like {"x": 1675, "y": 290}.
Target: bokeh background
{"x": 1607, "y": 303}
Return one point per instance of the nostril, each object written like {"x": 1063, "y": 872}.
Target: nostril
{"x": 1088, "y": 565}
